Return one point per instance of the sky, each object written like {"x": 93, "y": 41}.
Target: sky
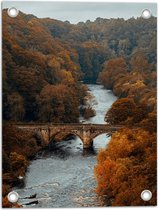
{"x": 76, "y": 12}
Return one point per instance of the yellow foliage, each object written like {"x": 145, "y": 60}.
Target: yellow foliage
{"x": 67, "y": 77}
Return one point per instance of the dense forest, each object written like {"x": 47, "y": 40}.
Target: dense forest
{"x": 46, "y": 64}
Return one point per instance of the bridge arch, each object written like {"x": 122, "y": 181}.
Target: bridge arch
{"x": 97, "y": 134}
{"x": 58, "y": 137}
{"x": 100, "y": 140}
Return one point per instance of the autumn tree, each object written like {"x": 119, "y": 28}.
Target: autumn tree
{"x": 127, "y": 165}
{"x": 140, "y": 63}
{"x": 58, "y": 103}
{"x": 113, "y": 69}
{"x": 120, "y": 111}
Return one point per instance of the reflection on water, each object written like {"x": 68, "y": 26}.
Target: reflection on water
{"x": 63, "y": 175}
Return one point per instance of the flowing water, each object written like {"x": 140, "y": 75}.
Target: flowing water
{"x": 64, "y": 176}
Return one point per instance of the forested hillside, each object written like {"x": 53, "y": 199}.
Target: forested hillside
{"x": 46, "y": 64}
{"x": 40, "y": 73}
{"x": 102, "y": 39}
{"x": 43, "y": 57}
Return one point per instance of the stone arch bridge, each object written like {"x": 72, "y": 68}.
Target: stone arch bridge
{"x": 86, "y": 132}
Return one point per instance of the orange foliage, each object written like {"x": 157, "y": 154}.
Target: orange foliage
{"x": 113, "y": 69}
{"x": 35, "y": 59}
{"x": 127, "y": 167}
{"x": 120, "y": 111}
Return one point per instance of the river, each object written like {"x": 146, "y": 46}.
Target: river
{"x": 64, "y": 176}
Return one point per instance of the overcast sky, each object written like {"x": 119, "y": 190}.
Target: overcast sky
{"x": 76, "y": 12}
